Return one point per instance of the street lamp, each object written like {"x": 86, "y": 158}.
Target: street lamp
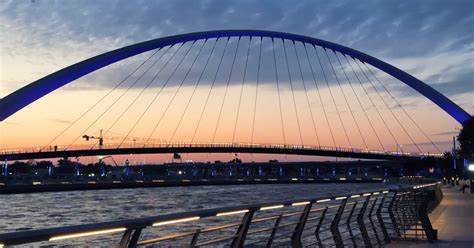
{"x": 470, "y": 168}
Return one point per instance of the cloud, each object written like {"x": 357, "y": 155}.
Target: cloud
{"x": 60, "y": 121}
{"x": 433, "y": 41}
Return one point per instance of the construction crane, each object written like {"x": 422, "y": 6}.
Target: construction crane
{"x": 101, "y": 139}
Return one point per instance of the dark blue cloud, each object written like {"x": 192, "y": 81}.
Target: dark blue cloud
{"x": 390, "y": 30}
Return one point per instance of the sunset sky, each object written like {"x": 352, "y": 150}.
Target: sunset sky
{"x": 432, "y": 40}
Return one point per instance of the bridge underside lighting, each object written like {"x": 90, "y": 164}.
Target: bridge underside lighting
{"x": 85, "y": 234}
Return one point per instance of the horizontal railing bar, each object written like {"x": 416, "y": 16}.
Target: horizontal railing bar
{"x": 261, "y": 230}
{"x": 165, "y": 238}
{"x": 218, "y": 228}
{"x": 257, "y": 241}
{"x": 273, "y": 217}
{"x": 218, "y": 240}
{"x": 288, "y": 224}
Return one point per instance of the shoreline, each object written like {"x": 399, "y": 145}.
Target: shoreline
{"x": 38, "y": 187}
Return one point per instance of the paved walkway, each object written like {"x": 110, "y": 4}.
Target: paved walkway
{"x": 454, "y": 220}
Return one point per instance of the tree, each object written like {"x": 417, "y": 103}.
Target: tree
{"x": 466, "y": 139}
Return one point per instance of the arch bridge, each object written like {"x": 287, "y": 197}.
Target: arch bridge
{"x": 314, "y": 73}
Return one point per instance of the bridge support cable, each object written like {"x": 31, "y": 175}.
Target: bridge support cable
{"x": 319, "y": 96}
{"x": 210, "y": 90}
{"x": 256, "y": 89}
{"x": 128, "y": 88}
{"x": 226, "y": 90}
{"x": 402, "y": 108}
{"x": 359, "y": 101}
{"x": 332, "y": 95}
{"x": 278, "y": 90}
{"x": 156, "y": 96}
{"x": 145, "y": 88}
{"x": 142, "y": 91}
{"x": 292, "y": 92}
{"x": 241, "y": 90}
{"x": 372, "y": 103}
{"x": 345, "y": 98}
{"x": 193, "y": 92}
{"x": 390, "y": 109}
{"x": 103, "y": 97}
{"x": 178, "y": 88}
{"x": 306, "y": 94}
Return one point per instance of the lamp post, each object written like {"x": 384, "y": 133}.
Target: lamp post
{"x": 471, "y": 171}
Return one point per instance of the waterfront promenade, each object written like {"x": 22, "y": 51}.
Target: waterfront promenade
{"x": 454, "y": 220}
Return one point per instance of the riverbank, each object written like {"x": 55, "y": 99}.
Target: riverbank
{"x": 56, "y": 186}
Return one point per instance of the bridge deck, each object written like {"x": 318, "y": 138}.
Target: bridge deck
{"x": 453, "y": 218}
{"x": 215, "y": 148}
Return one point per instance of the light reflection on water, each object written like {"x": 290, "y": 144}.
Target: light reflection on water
{"x": 54, "y": 209}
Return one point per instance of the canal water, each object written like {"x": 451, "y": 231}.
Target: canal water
{"x": 54, "y": 209}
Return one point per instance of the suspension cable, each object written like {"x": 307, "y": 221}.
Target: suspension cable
{"x": 130, "y": 86}
{"x": 177, "y": 89}
{"x": 403, "y": 109}
{"x": 278, "y": 89}
{"x": 256, "y": 90}
{"x": 241, "y": 90}
{"x": 292, "y": 92}
{"x": 391, "y": 111}
{"x": 306, "y": 93}
{"x": 194, "y": 91}
{"x": 319, "y": 95}
{"x": 226, "y": 89}
{"x": 345, "y": 99}
{"x": 103, "y": 97}
{"x": 141, "y": 92}
{"x": 372, "y": 102}
{"x": 359, "y": 101}
{"x": 149, "y": 105}
{"x": 210, "y": 89}
{"x": 332, "y": 96}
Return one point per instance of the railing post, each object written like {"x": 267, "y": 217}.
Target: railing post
{"x": 392, "y": 217}
{"x": 135, "y": 237}
{"x": 241, "y": 234}
{"x": 318, "y": 227}
{"x": 372, "y": 222}
{"x": 296, "y": 237}
{"x": 125, "y": 238}
{"x": 335, "y": 225}
{"x": 195, "y": 238}
{"x": 348, "y": 223}
{"x": 380, "y": 220}
{"x": 431, "y": 234}
{"x": 274, "y": 230}
{"x": 360, "y": 222}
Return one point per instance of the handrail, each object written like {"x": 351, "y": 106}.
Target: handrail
{"x": 12, "y": 151}
{"x": 125, "y": 226}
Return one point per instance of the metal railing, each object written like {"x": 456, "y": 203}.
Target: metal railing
{"x": 10, "y": 151}
{"x": 365, "y": 219}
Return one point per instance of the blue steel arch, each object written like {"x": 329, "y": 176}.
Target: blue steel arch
{"x": 41, "y": 87}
